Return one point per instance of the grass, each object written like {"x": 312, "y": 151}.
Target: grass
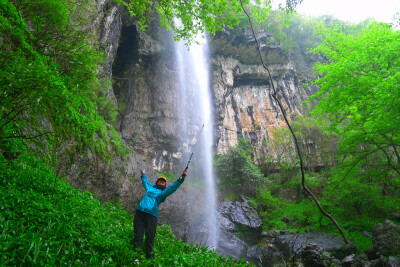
{"x": 304, "y": 214}
{"x": 74, "y": 228}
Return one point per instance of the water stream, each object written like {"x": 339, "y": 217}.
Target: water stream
{"x": 197, "y": 110}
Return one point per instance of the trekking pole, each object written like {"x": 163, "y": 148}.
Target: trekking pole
{"x": 191, "y": 155}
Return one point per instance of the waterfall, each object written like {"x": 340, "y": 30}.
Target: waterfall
{"x": 192, "y": 64}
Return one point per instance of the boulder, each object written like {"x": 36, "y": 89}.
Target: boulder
{"x": 240, "y": 218}
{"x": 231, "y": 245}
{"x": 264, "y": 256}
{"x": 392, "y": 262}
{"x": 385, "y": 262}
{"x": 291, "y": 244}
{"x": 349, "y": 260}
{"x": 313, "y": 255}
{"x": 361, "y": 260}
{"x": 385, "y": 240}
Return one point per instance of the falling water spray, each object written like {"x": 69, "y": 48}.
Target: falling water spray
{"x": 197, "y": 110}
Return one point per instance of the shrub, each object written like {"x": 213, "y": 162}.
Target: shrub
{"x": 237, "y": 173}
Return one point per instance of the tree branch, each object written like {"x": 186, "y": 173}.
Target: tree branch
{"x": 274, "y": 96}
{"x": 387, "y": 157}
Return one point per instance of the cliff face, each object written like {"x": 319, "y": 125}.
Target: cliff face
{"x": 241, "y": 87}
{"x": 146, "y": 90}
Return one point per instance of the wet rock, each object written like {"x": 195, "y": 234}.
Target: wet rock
{"x": 226, "y": 224}
{"x": 392, "y": 262}
{"x": 354, "y": 260}
{"x": 240, "y": 218}
{"x": 231, "y": 245}
{"x": 264, "y": 256}
{"x": 264, "y": 234}
{"x": 372, "y": 254}
{"x": 313, "y": 255}
{"x": 291, "y": 244}
{"x": 349, "y": 260}
{"x": 385, "y": 262}
{"x": 107, "y": 27}
{"x": 385, "y": 239}
{"x": 276, "y": 233}
{"x": 147, "y": 46}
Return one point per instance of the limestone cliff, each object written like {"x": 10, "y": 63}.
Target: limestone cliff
{"x": 241, "y": 87}
{"x": 146, "y": 86}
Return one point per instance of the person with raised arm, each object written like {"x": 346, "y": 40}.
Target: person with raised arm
{"x": 145, "y": 220}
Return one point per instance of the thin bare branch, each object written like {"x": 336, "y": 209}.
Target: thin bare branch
{"x": 274, "y": 96}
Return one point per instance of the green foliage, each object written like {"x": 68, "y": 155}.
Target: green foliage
{"x": 170, "y": 252}
{"x": 357, "y": 206}
{"x": 195, "y": 16}
{"x": 359, "y": 96}
{"x": 73, "y": 228}
{"x": 296, "y": 34}
{"x": 50, "y": 77}
{"x": 236, "y": 171}
{"x": 355, "y": 197}
{"x": 269, "y": 202}
{"x": 199, "y": 15}
{"x": 318, "y": 148}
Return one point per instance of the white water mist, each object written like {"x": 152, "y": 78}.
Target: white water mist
{"x": 196, "y": 107}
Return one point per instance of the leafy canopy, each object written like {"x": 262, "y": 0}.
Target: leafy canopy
{"x": 198, "y": 15}
{"x": 359, "y": 95}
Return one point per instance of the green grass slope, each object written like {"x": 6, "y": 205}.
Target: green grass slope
{"x": 71, "y": 227}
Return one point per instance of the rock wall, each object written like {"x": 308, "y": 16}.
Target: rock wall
{"x": 147, "y": 90}
{"x": 241, "y": 87}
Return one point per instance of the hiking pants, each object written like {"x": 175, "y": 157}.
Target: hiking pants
{"x": 144, "y": 223}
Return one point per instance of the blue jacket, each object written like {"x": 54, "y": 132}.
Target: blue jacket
{"x": 154, "y": 196}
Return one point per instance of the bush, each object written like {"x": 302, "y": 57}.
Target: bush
{"x": 268, "y": 202}
{"x": 237, "y": 173}
{"x": 50, "y": 77}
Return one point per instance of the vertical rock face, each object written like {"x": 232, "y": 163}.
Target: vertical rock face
{"x": 147, "y": 88}
{"x": 107, "y": 26}
{"x": 241, "y": 86}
